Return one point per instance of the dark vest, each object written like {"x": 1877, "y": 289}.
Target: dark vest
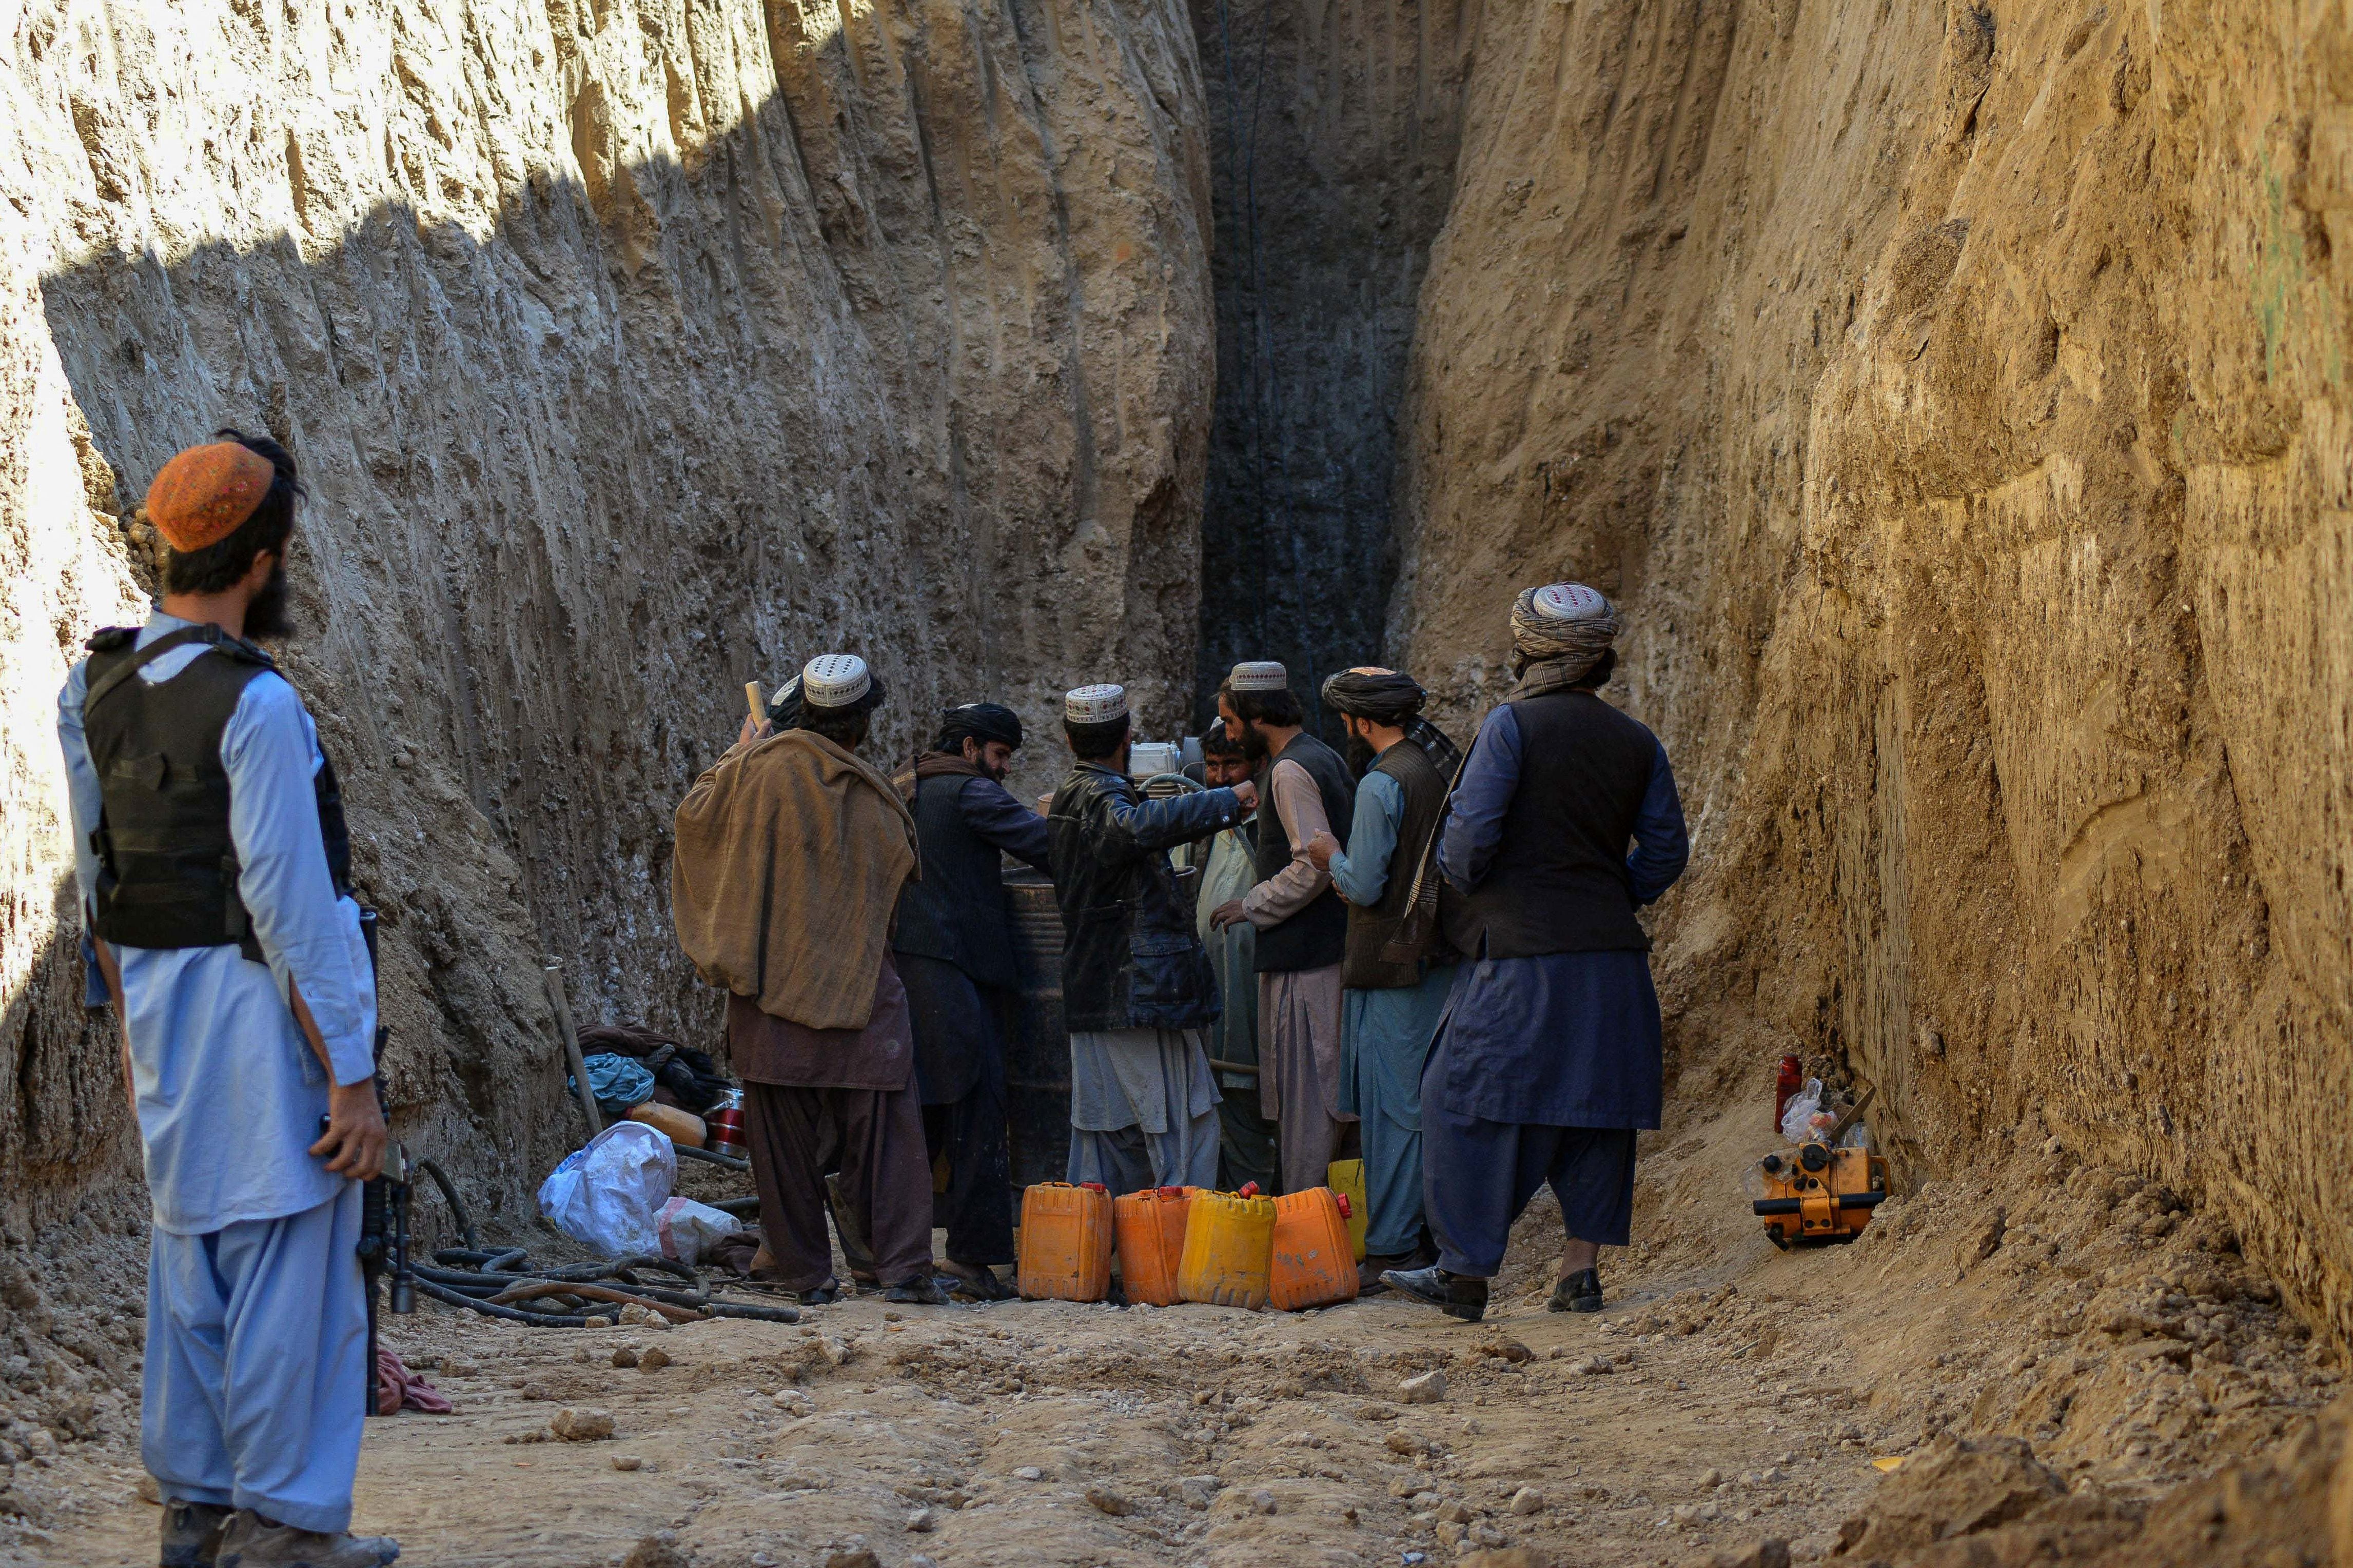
{"x": 956, "y": 911}
{"x": 1559, "y": 882}
{"x": 1370, "y": 931}
{"x": 167, "y": 863}
{"x": 1317, "y": 936}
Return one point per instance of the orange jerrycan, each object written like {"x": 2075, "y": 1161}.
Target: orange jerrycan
{"x": 1228, "y": 1249}
{"x": 1150, "y": 1225}
{"x": 1065, "y": 1243}
{"x": 1313, "y": 1266}
{"x": 1347, "y": 1177}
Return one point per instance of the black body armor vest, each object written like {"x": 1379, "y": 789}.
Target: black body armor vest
{"x": 167, "y": 862}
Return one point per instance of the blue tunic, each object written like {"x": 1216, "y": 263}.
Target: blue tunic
{"x": 214, "y": 1042}
{"x": 1384, "y": 1034}
{"x": 1566, "y": 1039}
{"x": 254, "y": 1382}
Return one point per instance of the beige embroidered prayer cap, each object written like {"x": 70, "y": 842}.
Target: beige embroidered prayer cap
{"x": 835, "y": 681}
{"x": 1259, "y": 674}
{"x": 1095, "y": 704}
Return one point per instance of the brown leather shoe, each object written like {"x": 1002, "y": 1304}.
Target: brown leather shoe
{"x": 1368, "y": 1273}
{"x": 977, "y": 1280}
{"x": 252, "y": 1541}
{"x": 192, "y": 1533}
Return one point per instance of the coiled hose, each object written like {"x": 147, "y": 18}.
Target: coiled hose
{"x": 472, "y": 1277}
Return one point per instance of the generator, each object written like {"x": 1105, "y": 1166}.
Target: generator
{"x": 1821, "y": 1191}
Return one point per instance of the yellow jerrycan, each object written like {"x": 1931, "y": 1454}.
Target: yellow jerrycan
{"x": 1228, "y": 1249}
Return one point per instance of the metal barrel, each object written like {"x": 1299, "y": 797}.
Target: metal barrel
{"x": 1038, "y": 1049}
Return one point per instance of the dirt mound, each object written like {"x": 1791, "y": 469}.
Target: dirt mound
{"x": 1951, "y": 394}
{"x": 1992, "y": 1505}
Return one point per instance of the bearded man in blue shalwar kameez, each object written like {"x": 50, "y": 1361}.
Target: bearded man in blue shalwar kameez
{"x": 1549, "y": 1060}
{"x": 214, "y": 867}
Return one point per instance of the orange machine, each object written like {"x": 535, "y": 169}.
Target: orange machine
{"x": 1821, "y": 1193}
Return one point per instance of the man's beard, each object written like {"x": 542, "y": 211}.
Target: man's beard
{"x": 1255, "y": 745}
{"x": 265, "y": 618}
{"x": 1360, "y": 754}
{"x": 996, "y": 775}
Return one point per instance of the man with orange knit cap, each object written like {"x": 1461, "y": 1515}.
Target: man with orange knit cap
{"x": 214, "y": 878}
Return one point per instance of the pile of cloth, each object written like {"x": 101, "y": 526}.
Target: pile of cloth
{"x": 628, "y": 1065}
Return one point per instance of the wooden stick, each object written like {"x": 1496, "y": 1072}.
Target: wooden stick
{"x": 552, "y": 976}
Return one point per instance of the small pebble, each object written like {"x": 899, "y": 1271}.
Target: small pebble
{"x": 629, "y": 1462}
{"x": 1029, "y": 1473}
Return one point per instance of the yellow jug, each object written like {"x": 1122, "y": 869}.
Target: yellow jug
{"x": 1228, "y": 1249}
{"x": 1346, "y": 1178}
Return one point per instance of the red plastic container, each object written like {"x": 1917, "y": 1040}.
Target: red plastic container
{"x": 1787, "y": 1082}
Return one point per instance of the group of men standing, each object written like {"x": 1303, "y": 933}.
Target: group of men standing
{"x": 1430, "y": 960}
{"x": 1400, "y": 955}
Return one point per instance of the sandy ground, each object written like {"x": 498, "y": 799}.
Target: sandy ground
{"x": 1729, "y": 1393}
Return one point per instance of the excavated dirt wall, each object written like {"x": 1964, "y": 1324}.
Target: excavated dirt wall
{"x": 1955, "y": 396}
{"x": 630, "y": 351}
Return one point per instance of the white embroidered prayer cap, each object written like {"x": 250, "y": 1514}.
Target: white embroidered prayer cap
{"x": 835, "y": 681}
{"x": 1095, "y": 704}
{"x": 1569, "y": 602}
{"x": 1259, "y": 674}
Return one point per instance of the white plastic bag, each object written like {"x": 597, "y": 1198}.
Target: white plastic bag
{"x": 687, "y": 1229}
{"x": 609, "y": 1195}
{"x": 1800, "y": 1110}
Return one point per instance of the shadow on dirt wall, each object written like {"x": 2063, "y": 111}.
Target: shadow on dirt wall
{"x": 570, "y": 484}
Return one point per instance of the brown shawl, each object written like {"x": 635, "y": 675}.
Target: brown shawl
{"x": 790, "y": 855}
{"x": 933, "y": 765}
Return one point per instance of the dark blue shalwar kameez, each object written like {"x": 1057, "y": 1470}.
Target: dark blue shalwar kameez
{"x": 1544, "y": 1067}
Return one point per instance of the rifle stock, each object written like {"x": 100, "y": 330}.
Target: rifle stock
{"x": 384, "y": 1206}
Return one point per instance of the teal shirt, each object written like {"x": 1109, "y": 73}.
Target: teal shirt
{"x": 1361, "y": 871}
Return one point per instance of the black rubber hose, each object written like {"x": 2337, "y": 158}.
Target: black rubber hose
{"x": 536, "y": 1320}
{"x": 711, "y": 1157}
{"x": 460, "y": 1279}
{"x": 457, "y": 1205}
{"x": 493, "y": 1261}
{"x": 741, "y": 1208}
{"x": 675, "y": 1298}
{"x": 757, "y": 1314}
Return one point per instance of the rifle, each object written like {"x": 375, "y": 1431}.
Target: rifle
{"x": 384, "y": 1205}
